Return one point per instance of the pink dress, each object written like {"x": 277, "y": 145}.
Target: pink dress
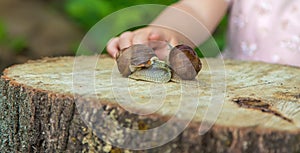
{"x": 264, "y": 30}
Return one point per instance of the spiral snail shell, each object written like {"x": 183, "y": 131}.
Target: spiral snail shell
{"x": 141, "y": 54}
{"x": 133, "y": 57}
{"x": 184, "y": 62}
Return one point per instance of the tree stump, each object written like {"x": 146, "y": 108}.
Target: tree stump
{"x": 43, "y": 110}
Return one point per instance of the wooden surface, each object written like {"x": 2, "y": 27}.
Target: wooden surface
{"x": 261, "y": 111}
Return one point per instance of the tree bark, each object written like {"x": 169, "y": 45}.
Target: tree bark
{"x": 41, "y": 112}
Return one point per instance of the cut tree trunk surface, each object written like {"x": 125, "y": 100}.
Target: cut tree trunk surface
{"x": 65, "y": 104}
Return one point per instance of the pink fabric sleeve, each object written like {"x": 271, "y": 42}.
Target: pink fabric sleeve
{"x": 265, "y": 30}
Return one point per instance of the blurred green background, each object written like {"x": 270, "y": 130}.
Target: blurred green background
{"x": 38, "y": 28}
{"x": 88, "y": 12}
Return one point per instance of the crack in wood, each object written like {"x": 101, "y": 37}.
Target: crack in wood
{"x": 257, "y": 104}
{"x": 287, "y": 95}
{"x": 254, "y": 85}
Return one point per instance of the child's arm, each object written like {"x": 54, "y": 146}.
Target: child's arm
{"x": 176, "y": 24}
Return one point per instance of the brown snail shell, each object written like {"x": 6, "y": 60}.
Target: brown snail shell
{"x": 133, "y": 57}
{"x": 184, "y": 62}
{"x": 141, "y": 55}
{"x": 123, "y": 61}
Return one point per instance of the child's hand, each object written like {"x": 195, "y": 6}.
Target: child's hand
{"x": 145, "y": 36}
{"x": 188, "y": 21}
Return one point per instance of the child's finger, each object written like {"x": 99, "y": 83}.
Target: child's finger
{"x": 157, "y": 35}
{"x": 140, "y": 38}
{"x": 125, "y": 40}
{"x": 113, "y": 46}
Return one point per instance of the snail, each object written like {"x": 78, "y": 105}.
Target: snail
{"x": 184, "y": 62}
{"x": 133, "y": 57}
{"x": 139, "y": 62}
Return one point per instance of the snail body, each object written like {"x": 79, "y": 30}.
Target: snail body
{"x": 158, "y": 72}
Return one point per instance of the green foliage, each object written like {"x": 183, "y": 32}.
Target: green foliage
{"x": 18, "y": 45}
{"x": 220, "y": 33}
{"x": 89, "y": 12}
{"x": 3, "y": 32}
{"x": 15, "y": 44}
